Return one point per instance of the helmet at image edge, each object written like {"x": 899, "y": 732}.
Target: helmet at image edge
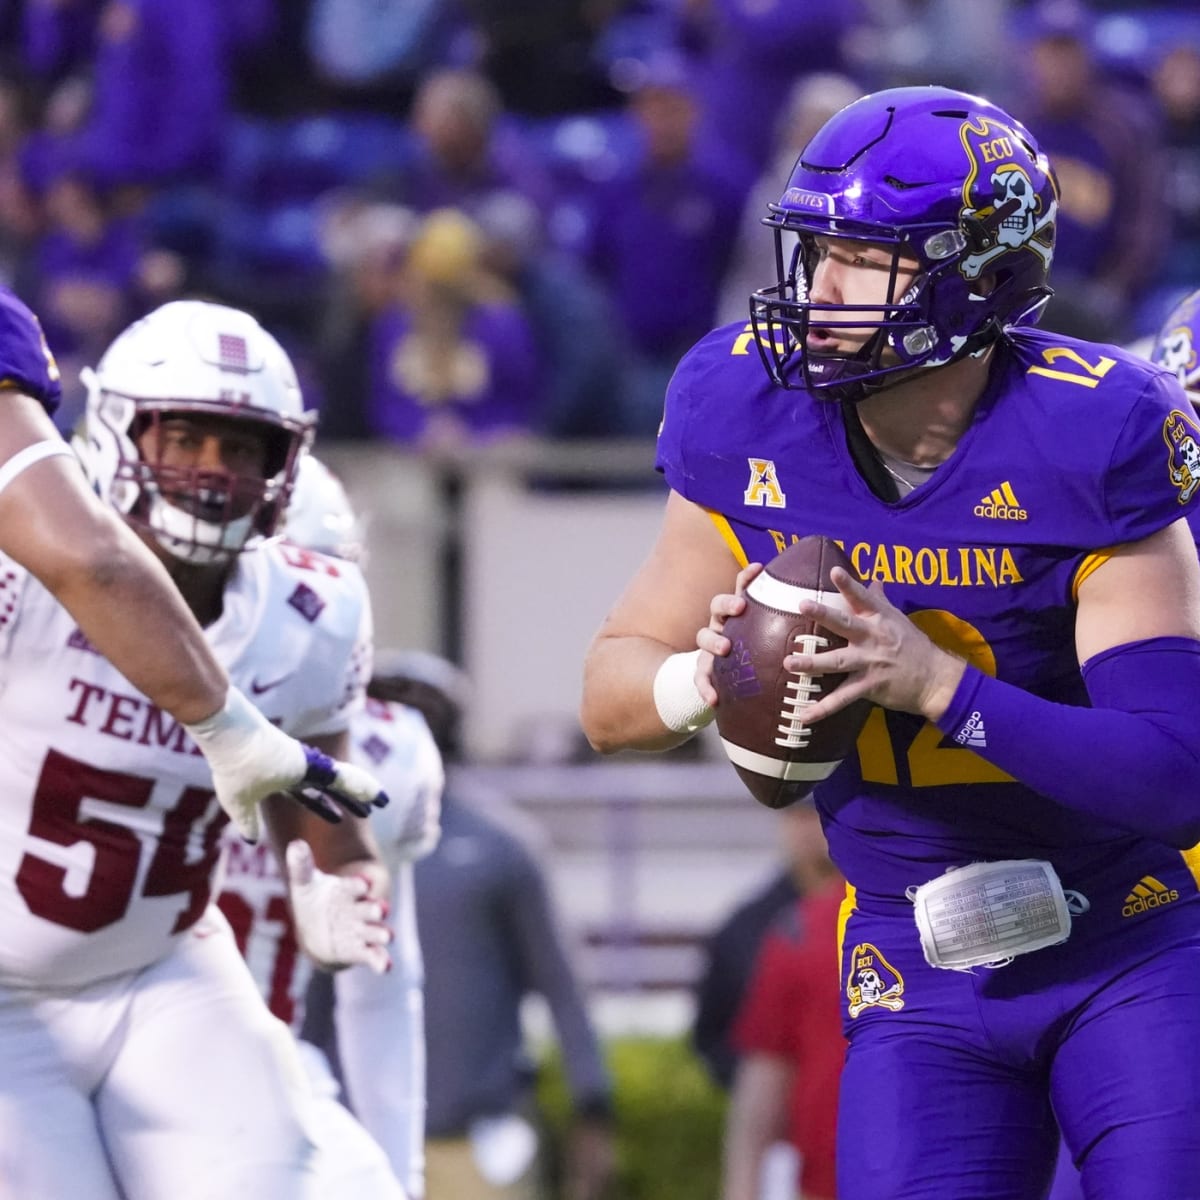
{"x": 1177, "y": 344}
{"x": 941, "y": 175}
{"x": 194, "y": 358}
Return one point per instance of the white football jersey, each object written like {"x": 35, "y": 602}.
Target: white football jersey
{"x": 109, "y": 830}
{"x": 395, "y": 744}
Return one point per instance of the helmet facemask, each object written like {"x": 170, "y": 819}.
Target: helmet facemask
{"x": 217, "y": 369}
{"x": 200, "y": 515}
{"x": 953, "y": 183}
{"x": 783, "y": 317}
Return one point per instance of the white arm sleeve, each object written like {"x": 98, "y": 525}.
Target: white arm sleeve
{"x": 380, "y": 1025}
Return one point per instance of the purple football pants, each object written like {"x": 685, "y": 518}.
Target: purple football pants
{"x": 953, "y": 1080}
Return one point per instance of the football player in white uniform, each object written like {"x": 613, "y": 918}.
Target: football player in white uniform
{"x": 137, "y": 1060}
{"x": 379, "y": 1017}
{"x": 55, "y": 527}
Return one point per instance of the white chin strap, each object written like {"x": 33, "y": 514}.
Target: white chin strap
{"x": 194, "y": 541}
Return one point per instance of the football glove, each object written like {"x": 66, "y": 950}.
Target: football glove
{"x": 250, "y": 760}
{"x": 337, "y": 923}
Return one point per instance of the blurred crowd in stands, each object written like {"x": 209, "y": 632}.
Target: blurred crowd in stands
{"x": 468, "y": 219}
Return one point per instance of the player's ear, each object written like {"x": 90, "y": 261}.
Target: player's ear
{"x": 985, "y": 285}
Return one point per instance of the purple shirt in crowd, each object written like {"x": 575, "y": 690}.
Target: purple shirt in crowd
{"x": 660, "y": 241}
{"x": 500, "y": 376}
{"x": 161, "y": 78}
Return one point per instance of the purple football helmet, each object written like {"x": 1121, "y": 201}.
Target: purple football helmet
{"x": 1177, "y": 346}
{"x": 937, "y": 174}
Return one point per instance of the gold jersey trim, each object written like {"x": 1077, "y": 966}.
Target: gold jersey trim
{"x": 731, "y": 539}
{"x": 1092, "y": 562}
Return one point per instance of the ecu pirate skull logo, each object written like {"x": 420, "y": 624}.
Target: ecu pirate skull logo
{"x": 1182, "y": 436}
{"x": 872, "y": 982}
{"x": 1177, "y": 354}
{"x": 1001, "y": 204}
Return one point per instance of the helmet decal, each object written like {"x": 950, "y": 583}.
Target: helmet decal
{"x": 1177, "y": 345}
{"x": 1005, "y": 212}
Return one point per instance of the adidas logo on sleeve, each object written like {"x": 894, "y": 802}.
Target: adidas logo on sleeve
{"x": 973, "y": 735}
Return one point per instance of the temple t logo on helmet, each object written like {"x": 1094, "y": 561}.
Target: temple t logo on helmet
{"x": 960, "y": 196}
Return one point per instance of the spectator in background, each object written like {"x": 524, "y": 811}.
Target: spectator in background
{"x": 542, "y": 54}
{"x": 454, "y": 361}
{"x": 660, "y": 234}
{"x": 365, "y": 246}
{"x": 160, "y": 81}
{"x": 85, "y": 277}
{"x": 1113, "y": 218}
{"x": 58, "y": 37}
{"x": 751, "y": 53}
{"x": 490, "y": 937}
{"x": 732, "y": 948}
{"x": 789, "y": 1036}
{"x": 20, "y": 217}
{"x": 920, "y": 41}
{"x": 463, "y": 155}
{"x": 812, "y": 101}
{"x": 571, "y": 319}
{"x": 377, "y": 51}
{"x": 1176, "y": 82}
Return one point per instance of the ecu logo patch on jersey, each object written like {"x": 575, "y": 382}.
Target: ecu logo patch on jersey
{"x": 872, "y": 982}
{"x": 1182, "y": 435}
{"x": 763, "y": 489}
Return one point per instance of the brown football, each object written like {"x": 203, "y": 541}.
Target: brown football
{"x": 759, "y": 703}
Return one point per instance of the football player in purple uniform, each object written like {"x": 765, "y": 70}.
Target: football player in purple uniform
{"x": 1020, "y": 940}
{"x": 53, "y": 525}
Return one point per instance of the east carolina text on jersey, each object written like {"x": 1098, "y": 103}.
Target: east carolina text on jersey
{"x": 947, "y": 566}
{"x": 109, "y": 830}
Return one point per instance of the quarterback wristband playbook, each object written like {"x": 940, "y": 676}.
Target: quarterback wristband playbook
{"x": 1121, "y": 760}
{"x": 988, "y": 913}
{"x": 680, "y": 706}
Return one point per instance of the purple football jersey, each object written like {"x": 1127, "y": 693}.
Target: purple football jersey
{"x": 1074, "y": 449}
{"x": 26, "y": 363}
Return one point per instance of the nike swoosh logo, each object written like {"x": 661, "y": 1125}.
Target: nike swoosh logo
{"x": 257, "y": 689}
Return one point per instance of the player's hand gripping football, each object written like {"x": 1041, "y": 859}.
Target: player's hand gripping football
{"x": 338, "y": 922}
{"x": 711, "y": 641}
{"x": 250, "y": 760}
{"x": 887, "y": 659}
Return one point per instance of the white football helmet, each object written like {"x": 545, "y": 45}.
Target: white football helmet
{"x": 195, "y": 358}
{"x": 320, "y": 516}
